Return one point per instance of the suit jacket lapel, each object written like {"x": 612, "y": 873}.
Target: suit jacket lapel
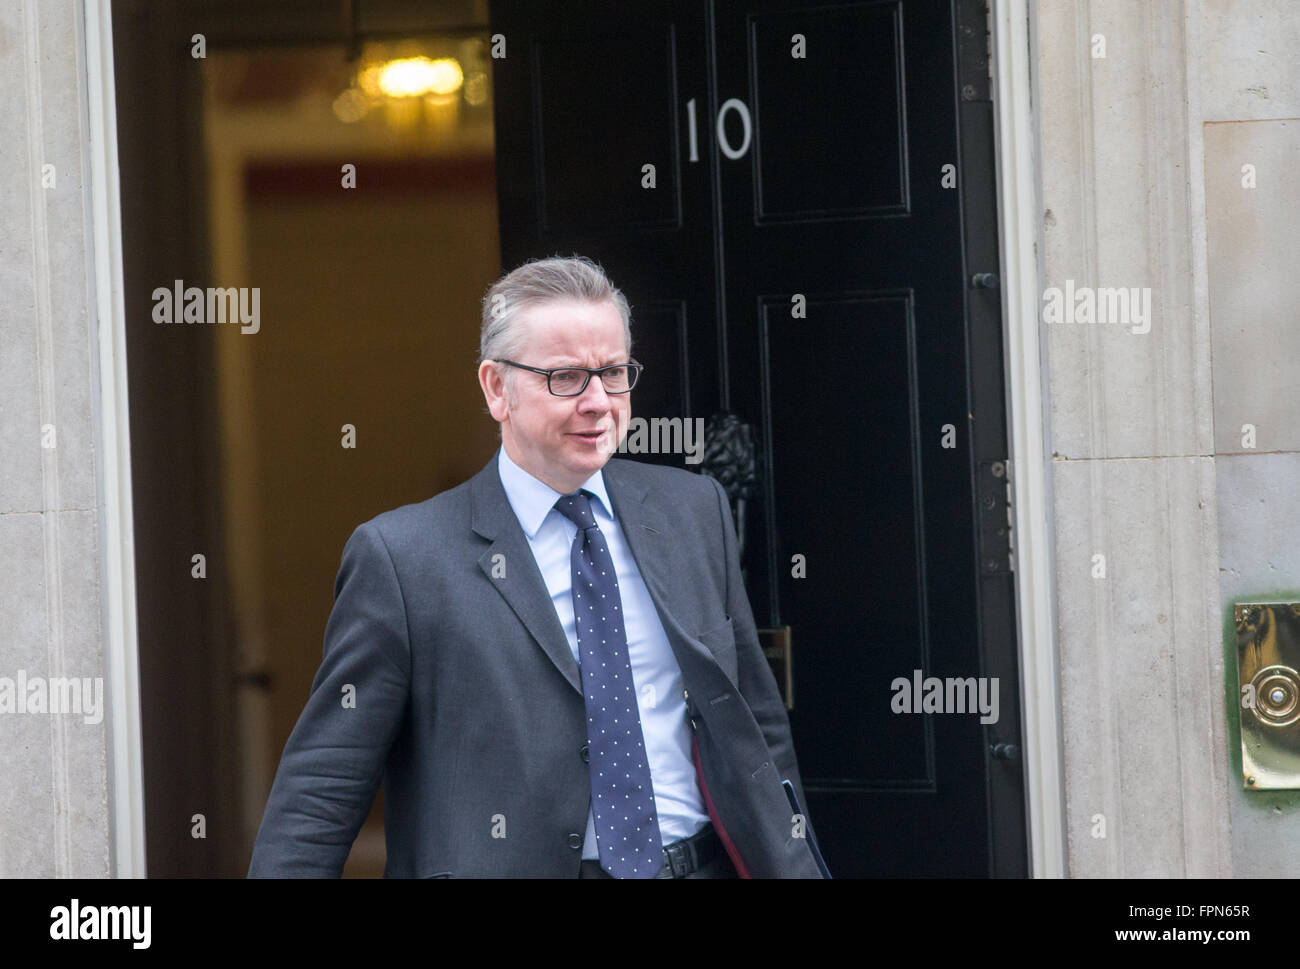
{"x": 654, "y": 548}
{"x": 522, "y": 585}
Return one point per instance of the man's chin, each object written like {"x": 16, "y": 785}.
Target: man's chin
{"x": 592, "y": 461}
{"x": 589, "y": 457}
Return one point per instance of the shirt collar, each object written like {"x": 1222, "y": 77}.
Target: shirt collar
{"x": 532, "y": 499}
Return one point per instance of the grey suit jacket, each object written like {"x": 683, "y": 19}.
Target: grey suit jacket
{"x": 467, "y": 702}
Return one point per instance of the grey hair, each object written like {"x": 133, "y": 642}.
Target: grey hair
{"x": 542, "y": 281}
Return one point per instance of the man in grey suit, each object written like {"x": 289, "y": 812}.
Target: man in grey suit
{"x": 553, "y": 667}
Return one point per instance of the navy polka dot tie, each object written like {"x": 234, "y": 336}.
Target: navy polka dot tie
{"x": 622, "y": 797}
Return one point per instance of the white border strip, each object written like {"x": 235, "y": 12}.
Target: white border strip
{"x": 1018, "y": 180}
{"x": 121, "y": 662}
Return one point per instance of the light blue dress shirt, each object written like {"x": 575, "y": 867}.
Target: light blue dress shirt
{"x": 655, "y": 672}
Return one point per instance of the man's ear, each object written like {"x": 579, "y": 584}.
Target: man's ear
{"x": 493, "y": 382}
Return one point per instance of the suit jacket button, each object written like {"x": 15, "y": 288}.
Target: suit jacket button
{"x": 575, "y": 841}
{"x": 586, "y": 753}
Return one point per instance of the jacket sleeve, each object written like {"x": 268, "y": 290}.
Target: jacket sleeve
{"x": 335, "y": 758}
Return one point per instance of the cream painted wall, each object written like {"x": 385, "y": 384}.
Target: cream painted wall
{"x": 1248, "y": 89}
{"x": 1134, "y": 194}
{"x": 54, "y": 800}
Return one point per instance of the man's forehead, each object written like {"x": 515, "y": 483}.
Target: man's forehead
{"x": 560, "y": 329}
{"x": 561, "y": 310}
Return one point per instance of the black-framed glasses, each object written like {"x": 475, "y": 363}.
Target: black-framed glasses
{"x": 618, "y": 378}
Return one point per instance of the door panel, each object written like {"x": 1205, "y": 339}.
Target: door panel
{"x": 635, "y": 103}
{"x": 854, "y": 523}
{"x": 837, "y": 160}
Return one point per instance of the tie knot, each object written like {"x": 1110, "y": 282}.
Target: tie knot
{"x": 577, "y": 508}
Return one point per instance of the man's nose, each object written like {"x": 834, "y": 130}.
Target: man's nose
{"x": 594, "y": 395}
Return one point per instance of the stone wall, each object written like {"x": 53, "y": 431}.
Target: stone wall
{"x": 54, "y": 802}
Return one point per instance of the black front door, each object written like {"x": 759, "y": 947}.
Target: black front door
{"x": 795, "y": 198}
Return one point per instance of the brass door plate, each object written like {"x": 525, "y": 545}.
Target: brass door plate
{"x": 1268, "y": 693}
{"x": 776, "y": 648}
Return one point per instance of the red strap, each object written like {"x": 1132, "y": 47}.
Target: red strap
{"x": 732, "y": 853}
